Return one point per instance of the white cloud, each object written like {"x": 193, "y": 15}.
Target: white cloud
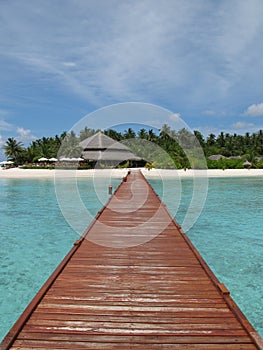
{"x": 5, "y": 126}
{"x": 255, "y": 110}
{"x": 168, "y": 44}
{"x": 207, "y": 130}
{"x": 209, "y": 112}
{"x": 155, "y": 123}
{"x": 175, "y": 117}
{"x": 3, "y": 113}
{"x": 238, "y": 127}
{"x": 25, "y": 135}
{"x": 69, "y": 64}
{"x": 242, "y": 125}
{"x": 2, "y": 153}
{"x": 2, "y": 142}
{"x": 191, "y": 52}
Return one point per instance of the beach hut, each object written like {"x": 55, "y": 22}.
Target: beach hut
{"x": 216, "y": 157}
{"x": 102, "y": 148}
{"x": 247, "y": 164}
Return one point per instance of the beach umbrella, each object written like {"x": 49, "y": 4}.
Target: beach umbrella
{"x": 64, "y": 159}
{"x": 76, "y": 159}
{"x": 53, "y": 159}
{"x": 6, "y": 162}
{"x": 43, "y": 159}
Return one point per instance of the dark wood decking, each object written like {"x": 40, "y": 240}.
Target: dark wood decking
{"x": 156, "y": 295}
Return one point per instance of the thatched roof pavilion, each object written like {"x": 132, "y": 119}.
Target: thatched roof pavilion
{"x": 102, "y": 147}
{"x": 216, "y": 157}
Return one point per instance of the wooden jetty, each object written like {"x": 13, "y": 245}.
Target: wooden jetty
{"x": 147, "y": 287}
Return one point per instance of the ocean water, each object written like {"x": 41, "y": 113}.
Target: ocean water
{"x": 35, "y": 236}
{"x": 229, "y": 236}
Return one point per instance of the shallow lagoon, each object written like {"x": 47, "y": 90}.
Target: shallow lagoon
{"x": 35, "y": 236}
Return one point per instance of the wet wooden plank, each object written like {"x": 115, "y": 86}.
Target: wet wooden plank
{"x": 155, "y": 292}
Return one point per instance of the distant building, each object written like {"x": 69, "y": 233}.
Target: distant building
{"x": 247, "y": 164}
{"x": 102, "y": 148}
{"x": 216, "y": 157}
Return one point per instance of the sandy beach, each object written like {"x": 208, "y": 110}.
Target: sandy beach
{"x": 17, "y": 173}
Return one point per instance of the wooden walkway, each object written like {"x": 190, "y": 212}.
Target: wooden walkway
{"x": 155, "y": 295}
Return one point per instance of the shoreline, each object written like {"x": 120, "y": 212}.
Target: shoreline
{"x": 17, "y": 173}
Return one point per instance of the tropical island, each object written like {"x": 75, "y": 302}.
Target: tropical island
{"x": 224, "y": 151}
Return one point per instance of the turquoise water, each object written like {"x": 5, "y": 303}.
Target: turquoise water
{"x": 35, "y": 237}
{"x": 229, "y": 236}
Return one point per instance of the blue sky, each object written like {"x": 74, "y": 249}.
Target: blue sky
{"x": 61, "y": 60}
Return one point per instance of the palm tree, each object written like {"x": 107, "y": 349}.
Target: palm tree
{"x": 86, "y": 132}
{"x": 211, "y": 140}
{"x": 152, "y": 136}
{"x": 259, "y": 142}
{"x": 129, "y": 134}
{"x": 115, "y": 135}
{"x": 200, "y": 138}
{"x": 70, "y": 146}
{"x": 221, "y": 140}
{"x": 13, "y": 149}
{"x": 142, "y": 134}
{"x": 165, "y": 132}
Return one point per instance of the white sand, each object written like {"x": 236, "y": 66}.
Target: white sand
{"x": 203, "y": 173}
{"x": 15, "y": 173}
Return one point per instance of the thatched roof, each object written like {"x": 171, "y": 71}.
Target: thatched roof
{"x": 102, "y": 147}
{"x": 216, "y": 157}
{"x": 247, "y": 163}
{"x": 109, "y": 155}
{"x": 235, "y": 157}
{"x": 100, "y": 141}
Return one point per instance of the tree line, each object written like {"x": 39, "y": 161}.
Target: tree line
{"x": 180, "y": 149}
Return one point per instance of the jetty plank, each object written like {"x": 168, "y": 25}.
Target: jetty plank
{"x": 133, "y": 280}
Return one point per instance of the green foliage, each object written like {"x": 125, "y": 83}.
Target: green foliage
{"x": 115, "y": 135}
{"x": 13, "y": 150}
{"x": 124, "y": 165}
{"x": 70, "y": 146}
{"x": 149, "y": 166}
{"x": 225, "y": 163}
{"x": 129, "y": 134}
{"x": 167, "y": 149}
{"x": 260, "y": 164}
{"x": 85, "y": 133}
